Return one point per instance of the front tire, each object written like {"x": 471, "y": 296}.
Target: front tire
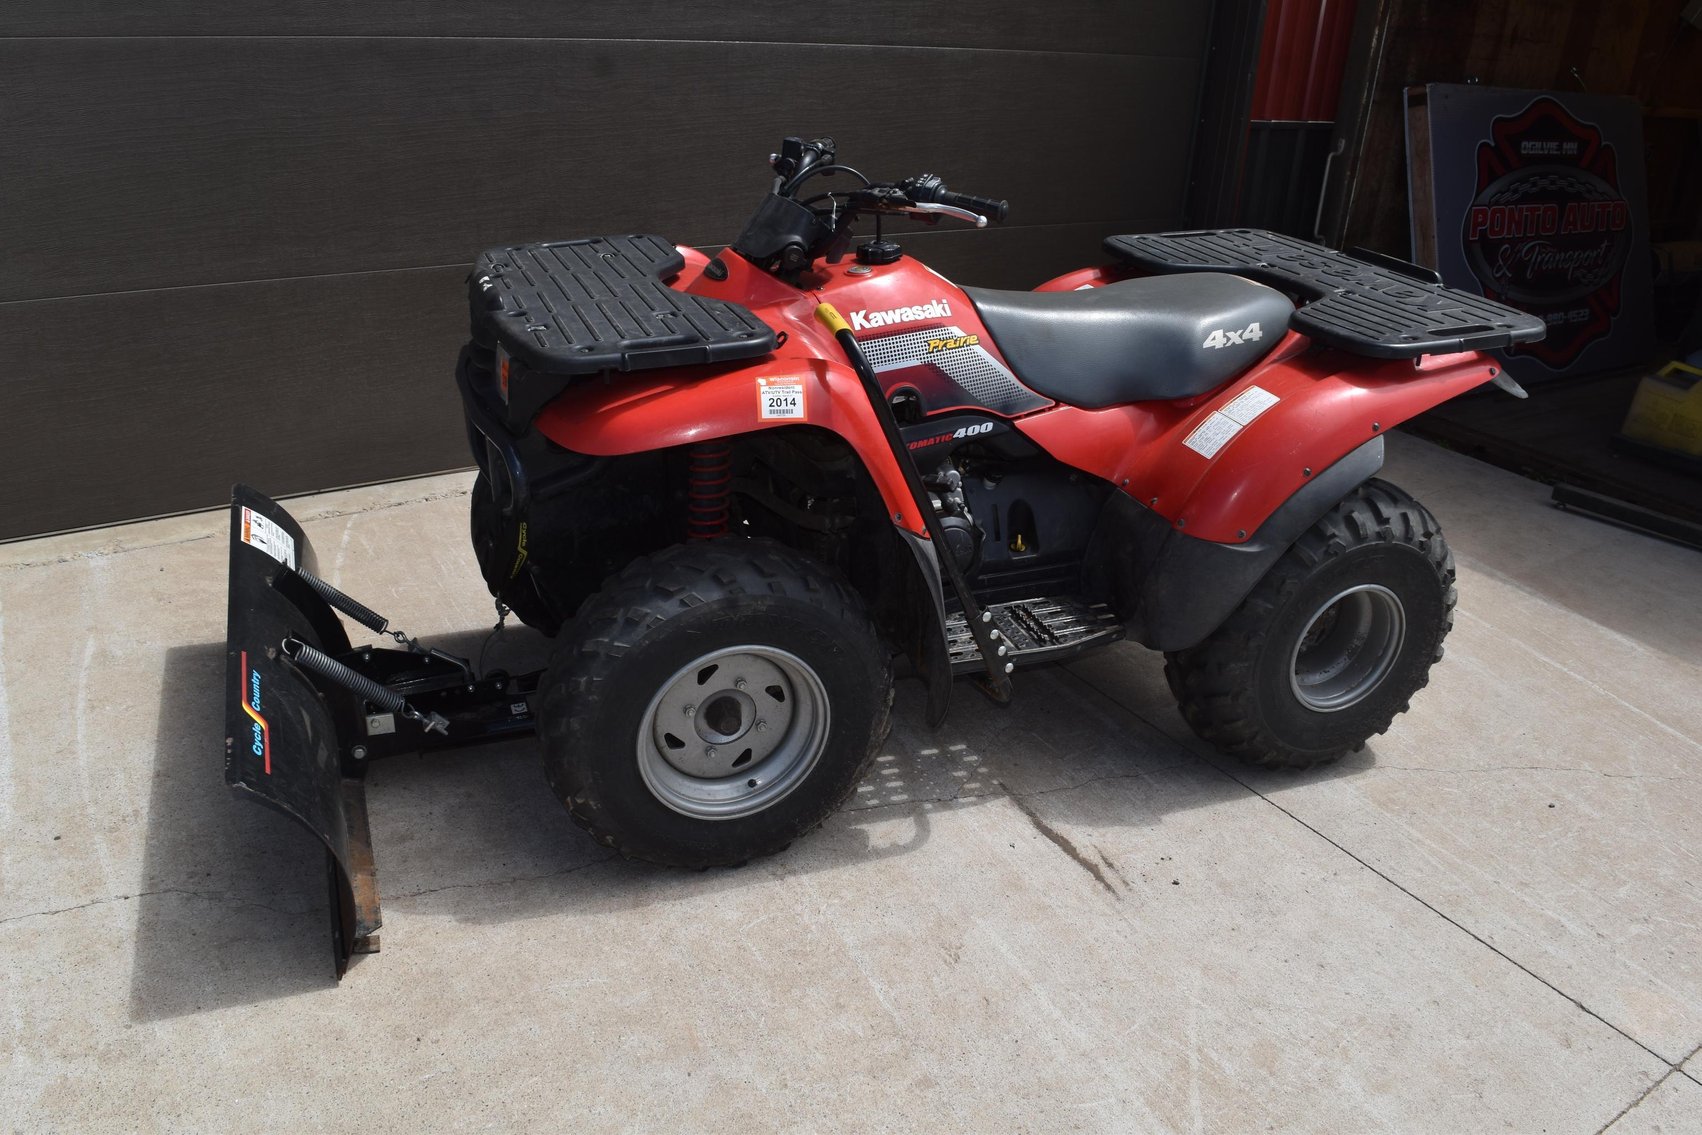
{"x": 1332, "y": 643}
{"x": 713, "y": 702}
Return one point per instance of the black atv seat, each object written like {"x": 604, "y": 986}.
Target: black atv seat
{"x": 1135, "y": 341}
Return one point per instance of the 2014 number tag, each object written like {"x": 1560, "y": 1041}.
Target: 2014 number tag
{"x": 1224, "y": 337}
{"x": 780, "y": 399}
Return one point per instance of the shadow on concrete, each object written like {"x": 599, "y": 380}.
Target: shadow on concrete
{"x": 238, "y": 912}
{"x": 234, "y": 906}
{"x": 478, "y": 837}
{"x": 233, "y": 903}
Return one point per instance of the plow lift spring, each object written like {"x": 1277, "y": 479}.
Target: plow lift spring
{"x": 317, "y": 661}
{"x": 349, "y": 605}
{"x": 377, "y": 624}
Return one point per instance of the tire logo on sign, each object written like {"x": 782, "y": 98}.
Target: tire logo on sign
{"x": 1549, "y": 230}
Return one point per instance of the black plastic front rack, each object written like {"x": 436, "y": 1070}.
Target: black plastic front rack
{"x": 579, "y": 307}
{"x": 1376, "y": 306}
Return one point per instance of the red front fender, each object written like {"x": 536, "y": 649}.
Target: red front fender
{"x": 664, "y": 408}
{"x": 1327, "y": 404}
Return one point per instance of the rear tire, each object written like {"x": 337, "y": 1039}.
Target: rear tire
{"x": 1332, "y": 643}
{"x": 713, "y": 702}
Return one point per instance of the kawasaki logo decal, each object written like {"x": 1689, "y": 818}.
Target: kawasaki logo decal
{"x": 867, "y": 320}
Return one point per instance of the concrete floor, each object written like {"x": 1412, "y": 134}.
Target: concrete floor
{"x": 1068, "y": 916}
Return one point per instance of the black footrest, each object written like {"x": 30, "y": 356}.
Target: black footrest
{"x": 1035, "y": 630}
{"x": 1386, "y": 309}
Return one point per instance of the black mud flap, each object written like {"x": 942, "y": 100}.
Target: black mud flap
{"x": 286, "y": 745}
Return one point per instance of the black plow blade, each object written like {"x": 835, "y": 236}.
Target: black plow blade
{"x": 286, "y": 744}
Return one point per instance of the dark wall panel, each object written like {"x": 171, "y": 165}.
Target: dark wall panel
{"x": 197, "y": 164}
{"x": 1115, "y": 26}
{"x": 233, "y": 236}
{"x": 138, "y": 403}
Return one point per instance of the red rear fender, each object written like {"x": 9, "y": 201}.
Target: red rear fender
{"x": 1218, "y": 466}
{"x": 1081, "y": 278}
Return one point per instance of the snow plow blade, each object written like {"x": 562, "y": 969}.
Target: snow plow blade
{"x": 287, "y": 745}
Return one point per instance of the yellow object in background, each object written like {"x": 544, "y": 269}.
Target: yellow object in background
{"x": 1667, "y": 410}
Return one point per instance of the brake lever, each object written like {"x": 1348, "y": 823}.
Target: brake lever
{"x": 930, "y": 208}
{"x": 891, "y": 199}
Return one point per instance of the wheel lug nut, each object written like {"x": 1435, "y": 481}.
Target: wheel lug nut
{"x": 690, "y": 709}
{"x": 739, "y": 684}
{"x": 762, "y": 727}
{"x": 711, "y": 753}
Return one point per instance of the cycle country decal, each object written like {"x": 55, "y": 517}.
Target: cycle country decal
{"x": 262, "y": 742}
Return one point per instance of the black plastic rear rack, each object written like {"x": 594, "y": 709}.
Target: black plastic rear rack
{"x": 583, "y": 307}
{"x": 1375, "y": 305}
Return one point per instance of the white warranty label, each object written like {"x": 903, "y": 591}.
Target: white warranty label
{"x": 1221, "y": 426}
{"x": 268, "y": 537}
{"x": 1249, "y": 404}
{"x": 780, "y": 399}
{"x": 1212, "y": 434}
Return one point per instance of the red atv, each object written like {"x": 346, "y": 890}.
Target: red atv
{"x": 737, "y": 487}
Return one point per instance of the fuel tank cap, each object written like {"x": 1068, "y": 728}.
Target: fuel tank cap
{"x": 879, "y": 252}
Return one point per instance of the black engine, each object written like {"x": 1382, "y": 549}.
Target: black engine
{"x": 1016, "y": 519}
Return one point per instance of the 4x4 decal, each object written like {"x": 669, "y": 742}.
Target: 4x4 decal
{"x": 1227, "y": 338}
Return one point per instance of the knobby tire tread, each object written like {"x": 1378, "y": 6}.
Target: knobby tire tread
{"x": 1212, "y": 681}
{"x": 639, "y": 599}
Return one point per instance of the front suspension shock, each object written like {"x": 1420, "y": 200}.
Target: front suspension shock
{"x": 709, "y": 475}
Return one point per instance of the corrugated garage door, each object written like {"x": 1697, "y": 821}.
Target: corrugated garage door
{"x": 233, "y": 237}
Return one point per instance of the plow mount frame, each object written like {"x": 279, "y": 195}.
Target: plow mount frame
{"x": 307, "y": 711}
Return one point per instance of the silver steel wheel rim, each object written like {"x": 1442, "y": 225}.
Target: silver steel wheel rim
{"x": 733, "y": 732}
{"x": 1348, "y": 647}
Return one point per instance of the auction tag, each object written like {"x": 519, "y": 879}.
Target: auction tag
{"x": 261, "y": 533}
{"x": 780, "y": 399}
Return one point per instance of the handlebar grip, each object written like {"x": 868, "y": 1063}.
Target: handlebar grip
{"x": 989, "y": 207}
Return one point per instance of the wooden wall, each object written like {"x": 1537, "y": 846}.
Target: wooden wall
{"x": 1627, "y": 47}
{"x": 233, "y": 236}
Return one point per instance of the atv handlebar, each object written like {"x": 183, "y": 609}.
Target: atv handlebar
{"x": 929, "y": 189}
{"x": 786, "y": 233}
{"x": 993, "y": 210}
{"x": 798, "y": 161}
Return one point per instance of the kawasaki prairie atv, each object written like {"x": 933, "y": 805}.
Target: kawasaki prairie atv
{"x": 737, "y": 487}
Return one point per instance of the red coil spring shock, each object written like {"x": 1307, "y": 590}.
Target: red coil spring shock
{"x": 708, "y": 496}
